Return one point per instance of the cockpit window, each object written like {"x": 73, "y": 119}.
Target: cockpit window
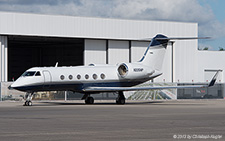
{"x": 28, "y": 73}
{"x": 38, "y": 73}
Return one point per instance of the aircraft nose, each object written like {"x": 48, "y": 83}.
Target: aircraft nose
{"x": 10, "y": 88}
{"x": 14, "y": 85}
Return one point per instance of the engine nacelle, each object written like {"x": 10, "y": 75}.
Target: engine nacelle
{"x": 133, "y": 71}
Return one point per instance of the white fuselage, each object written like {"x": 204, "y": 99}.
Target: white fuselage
{"x": 80, "y": 77}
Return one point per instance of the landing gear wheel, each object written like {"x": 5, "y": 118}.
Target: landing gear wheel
{"x": 89, "y": 100}
{"x": 27, "y": 103}
{"x": 120, "y": 101}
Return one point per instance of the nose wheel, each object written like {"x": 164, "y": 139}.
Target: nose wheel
{"x": 27, "y": 103}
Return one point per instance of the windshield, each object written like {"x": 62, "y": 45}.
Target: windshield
{"x": 28, "y": 73}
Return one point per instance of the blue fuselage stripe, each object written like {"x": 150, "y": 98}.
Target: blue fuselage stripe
{"x": 77, "y": 87}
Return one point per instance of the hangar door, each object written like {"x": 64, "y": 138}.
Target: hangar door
{"x": 25, "y": 52}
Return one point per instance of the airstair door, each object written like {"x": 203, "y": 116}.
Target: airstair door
{"x": 47, "y": 77}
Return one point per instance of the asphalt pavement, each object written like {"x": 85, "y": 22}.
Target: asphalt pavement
{"x": 106, "y": 121}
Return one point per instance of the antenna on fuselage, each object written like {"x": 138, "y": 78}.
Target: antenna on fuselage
{"x": 56, "y": 65}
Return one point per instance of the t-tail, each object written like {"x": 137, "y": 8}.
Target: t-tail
{"x": 155, "y": 52}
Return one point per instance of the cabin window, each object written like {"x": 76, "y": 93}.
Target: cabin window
{"x": 95, "y": 76}
{"x": 86, "y": 76}
{"x": 38, "y": 73}
{"x": 70, "y": 77}
{"x": 102, "y": 76}
{"x": 62, "y": 77}
{"x": 28, "y": 73}
{"x": 78, "y": 76}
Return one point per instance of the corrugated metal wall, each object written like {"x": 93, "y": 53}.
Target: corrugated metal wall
{"x": 94, "y": 51}
{"x": 118, "y": 52}
{"x": 137, "y": 50}
{"x": 87, "y": 27}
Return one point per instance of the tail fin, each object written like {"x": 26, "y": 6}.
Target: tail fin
{"x": 155, "y": 52}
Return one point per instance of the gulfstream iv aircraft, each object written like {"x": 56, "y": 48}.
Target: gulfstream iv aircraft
{"x": 94, "y": 79}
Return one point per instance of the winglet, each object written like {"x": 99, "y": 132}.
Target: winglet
{"x": 212, "y": 82}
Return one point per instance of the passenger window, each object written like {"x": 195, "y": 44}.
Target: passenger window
{"x": 62, "y": 77}
{"x": 38, "y": 73}
{"x": 70, "y": 77}
{"x": 86, "y": 76}
{"x": 95, "y": 76}
{"x": 78, "y": 76}
{"x": 103, "y": 76}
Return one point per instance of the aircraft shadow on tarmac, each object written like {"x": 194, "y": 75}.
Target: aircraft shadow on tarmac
{"x": 100, "y": 103}
{"x": 171, "y": 103}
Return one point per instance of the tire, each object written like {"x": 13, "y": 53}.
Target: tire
{"x": 25, "y": 103}
{"x": 29, "y": 103}
{"x": 89, "y": 100}
{"x": 120, "y": 101}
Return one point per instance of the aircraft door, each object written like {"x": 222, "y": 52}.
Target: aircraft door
{"x": 47, "y": 76}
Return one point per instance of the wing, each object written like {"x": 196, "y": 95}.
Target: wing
{"x": 111, "y": 89}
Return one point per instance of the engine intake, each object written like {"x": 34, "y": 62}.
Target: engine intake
{"x": 133, "y": 71}
{"x": 123, "y": 70}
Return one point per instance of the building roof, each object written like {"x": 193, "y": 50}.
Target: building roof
{"x": 88, "y": 27}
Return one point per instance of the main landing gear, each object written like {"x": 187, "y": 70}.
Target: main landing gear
{"x": 28, "y": 98}
{"x": 88, "y": 99}
{"x": 121, "y": 98}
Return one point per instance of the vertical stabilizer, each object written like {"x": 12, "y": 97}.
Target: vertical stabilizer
{"x": 155, "y": 52}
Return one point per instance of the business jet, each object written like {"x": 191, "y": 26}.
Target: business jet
{"x": 94, "y": 79}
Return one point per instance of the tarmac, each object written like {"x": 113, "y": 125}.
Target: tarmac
{"x": 106, "y": 121}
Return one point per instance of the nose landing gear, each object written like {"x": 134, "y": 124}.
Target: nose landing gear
{"x": 28, "y": 98}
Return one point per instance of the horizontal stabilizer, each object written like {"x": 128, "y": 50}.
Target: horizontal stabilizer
{"x": 183, "y": 38}
{"x": 175, "y": 38}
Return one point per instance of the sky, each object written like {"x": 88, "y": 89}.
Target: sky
{"x": 209, "y": 14}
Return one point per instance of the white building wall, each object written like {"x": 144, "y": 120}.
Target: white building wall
{"x": 118, "y": 52}
{"x": 210, "y": 60}
{"x": 86, "y": 27}
{"x": 3, "y": 58}
{"x": 185, "y": 55}
{"x": 94, "y": 52}
{"x": 137, "y": 50}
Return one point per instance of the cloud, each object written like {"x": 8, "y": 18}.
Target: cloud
{"x": 172, "y": 10}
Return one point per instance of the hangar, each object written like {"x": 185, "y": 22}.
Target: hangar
{"x": 29, "y": 40}
{"x": 32, "y": 40}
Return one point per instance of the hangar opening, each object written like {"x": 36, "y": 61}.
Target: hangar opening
{"x": 25, "y": 52}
